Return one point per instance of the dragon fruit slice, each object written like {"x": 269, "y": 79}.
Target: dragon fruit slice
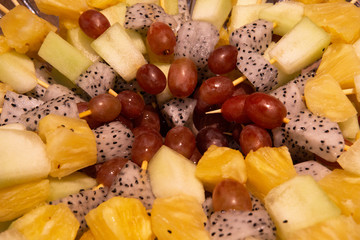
{"x": 301, "y": 79}
{"x": 16, "y": 105}
{"x": 196, "y": 40}
{"x": 63, "y": 105}
{"x": 113, "y": 140}
{"x": 178, "y": 111}
{"x": 57, "y": 90}
{"x": 140, "y": 16}
{"x": 97, "y": 79}
{"x": 236, "y": 225}
{"x": 184, "y": 9}
{"x": 312, "y": 168}
{"x": 133, "y": 182}
{"x": 81, "y": 203}
{"x": 121, "y": 85}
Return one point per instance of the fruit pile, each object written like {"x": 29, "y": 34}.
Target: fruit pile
{"x": 141, "y": 119}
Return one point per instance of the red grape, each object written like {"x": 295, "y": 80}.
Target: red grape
{"x": 253, "y": 137}
{"x": 182, "y": 140}
{"x": 216, "y": 90}
{"x": 230, "y": 194}
{"x": 195, "y": 157}
{"x": 93, "y": 23}
{"x": 161, "y": 39}
{"x": 109, "y": 170}
{"x": 243, "y": 88}
{"x": 182, "y": 77}
{"x": 202, "y": 120}
{"x": 145, "y": 146}
{"x": 233, "y": 109}
{"x": 142, "y": 129}
{"x": 223, "y": 59}
{"x": 125, "y": 121}
{"x": 265, "y": 110}
{"x": 104, "y": 107}
{"x": 149, "y": 118}
{"x": 132, "y": 104}
{"x": 210, "y": 136}
{"x": 84, "y": 106}
{"x": 151, "y": 78}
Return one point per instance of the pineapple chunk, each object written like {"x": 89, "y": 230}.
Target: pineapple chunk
{"x": 170, "y": 6}
{"x": 219, "y": 163}
{"x": 179, "y": 217}
{"x": 24, "y": 30}
{"x": 120, "y": 218}
{"x": 343, "y": 188}
{"x": 350, "y": 159}
{"x": 335, "y": 228}
{"x": 342, "y": 63}
{"x": 4, "y": 87}
{"x": 87, "y": 236}
{"x": 77, "y": 141}
{"x": 48, "y": 222}
{"x": 4, "y": 46}
{"x": 267, "y": 168}
{"x": 350, "y": 128}
{"x": 101, "y": 4}
{"x": 324, "y": 97}
{"x": 298, "y": 203}
{"x": 67, "y": 9}
{"x": 19, "y": 199}
{"x": 340, "y": 19}
{"x": 12, "y": 234}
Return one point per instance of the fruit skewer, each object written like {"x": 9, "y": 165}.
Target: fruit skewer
{"x": 3, "y": 9}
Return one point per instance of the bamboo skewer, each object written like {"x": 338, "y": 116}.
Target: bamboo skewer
{"x": 15, "y": 2}
{"x": 3, "y": 9}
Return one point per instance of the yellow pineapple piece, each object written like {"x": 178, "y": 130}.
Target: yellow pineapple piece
{"x": 120, "y": 218}
{"x": 48, "y": 222}
{"x": 335, "y": 228}
{"x": 19, "y": 199}
{"x": 4, "y": 87}
{"x": 340, "y": 19}
{"x": 219, "y": 163}
{"x": 24, "y": 30}
{"x": 4, "y": 46}
{"x": 350, "y": 159}
{"x": 267, "y": 168}
{"x": 178, "y": 217}
{"x": 341, "y": 62}
{"x": 67, "y": 9}
{"x": 223, "y": 38}
{"x": 101, "y": 4}
{"x": 343, "y": 188}
{"x": 324, "y": 97}
{"x": 87, "y": 236}
{"x": 70, "y": 144}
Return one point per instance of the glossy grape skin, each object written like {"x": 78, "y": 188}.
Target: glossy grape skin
{"x": 161, "y": 39}
{"x": 182, "y": 140}
{"x": 109, "y": 170}
{"x": 93, "y": 23}
{"x": 253, "y": 137}
{"x": 233, "y": 109}
{"x": 182, "y": 77}
{"x": 125, "y": 121}
{"x": 149, "y": 118}
{"x": 132, "y": 104}
{"x": 145, "y": 146}
{"x": 196, "y": 156}
{"x": 210, "y": 136}
{"x": 151, "y": 78}
{"x": 84, "y": 106}
{"x": 236, "y": 132}
{"x": 143, "y": 129}
{"x": 223, "y": 59}
{"x": 230, "y": 194}
{"x": 216, "y": 90}
{"x": 243, "y": 88}
{"x": 104, "y": 107}
{"x": 265, "y": 110}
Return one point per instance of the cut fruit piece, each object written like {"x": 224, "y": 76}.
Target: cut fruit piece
{"x": 12, "y": 234}
{"x": 4, "y": 46}
{"x": 24, "y": 30}
{"x": 63, "y": 56}
{"x": 166, "y": 94}
{"x": 248, "y": 2}
{"x": 350, "y": 127}
{"x": 101, "y": 4}
{"x": 71, "y": 184}
{"x": 19, "y": 199}
{"x": 116, "y": 48}
{"x": 115, "y": 13}
{"x": 285, "y": 14}
{"x": 120, "y": 218}
{"x": 267, "y": 168}
{"x": 18, "y": 71}
{"x": 77, "y": 141}
{"x": 324, "y": 97}
{"x": 219, "y": 163}
{"x": 212, "y": 11}
{"x": 170, "y": 6}
{"x": 48, "y": 222}
{"x": 343, "y": 188}
{"x": 87, "y": 236}
{"x": 340, "y": 19}
{"x": 133, "y": 2}
{"x": 300, "y": 47}
{"x": 67, "y": 9}
{"x": 172, "y": 174}
{"x": 299, "y": 203}
{"x": 4, "y": 87}
{"x": 342, "y": 63}
{"x": 29, "y": 164}
{"x": 350, "y": 159}
{"x": 335, "y": 228}
{"x": 179, "y": 217}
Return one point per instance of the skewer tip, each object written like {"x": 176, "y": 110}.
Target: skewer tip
{"x": 85, "y": 114}
{"x": 144, "y": 165}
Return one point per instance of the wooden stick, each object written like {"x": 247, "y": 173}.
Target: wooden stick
{"x": 41, "y": 83}
{"x": 85, "y": 114}
{"x": 349, "y": 91}
{"x": 3, "y": 9}
{"x": 15, "y": 2}
{"x": 144, "y": 165}
{"x": 353, "y": 1}
{"x": 346, "y": 147}
{"x": 112, "y": 92}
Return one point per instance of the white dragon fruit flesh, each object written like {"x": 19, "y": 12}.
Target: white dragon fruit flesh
{"x": 312, "y": 168}
{"x": 178, "y": 111}
{"x": 57, "y": 90}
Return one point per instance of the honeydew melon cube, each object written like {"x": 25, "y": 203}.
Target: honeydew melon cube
{"x": 77, "y": 38}
{"x": 300, "y": 47}
{"x": 18, "y": 71}
{"x": 350, "y": 127}
{"x": 115, "y": 13}
{"x": 350, "y": 159}
{"x": 285, "y": 14}
{"x": 117, "y": 49}
{"x": 166, "y": 94}
{"x": 213, "y": 11}
{"x": 299, "y": 203}
{"x": 63, "y": 56}
{"x": 22, "y": 157}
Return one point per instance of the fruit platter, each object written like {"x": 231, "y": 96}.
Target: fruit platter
{"x": 177, "y": 119}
